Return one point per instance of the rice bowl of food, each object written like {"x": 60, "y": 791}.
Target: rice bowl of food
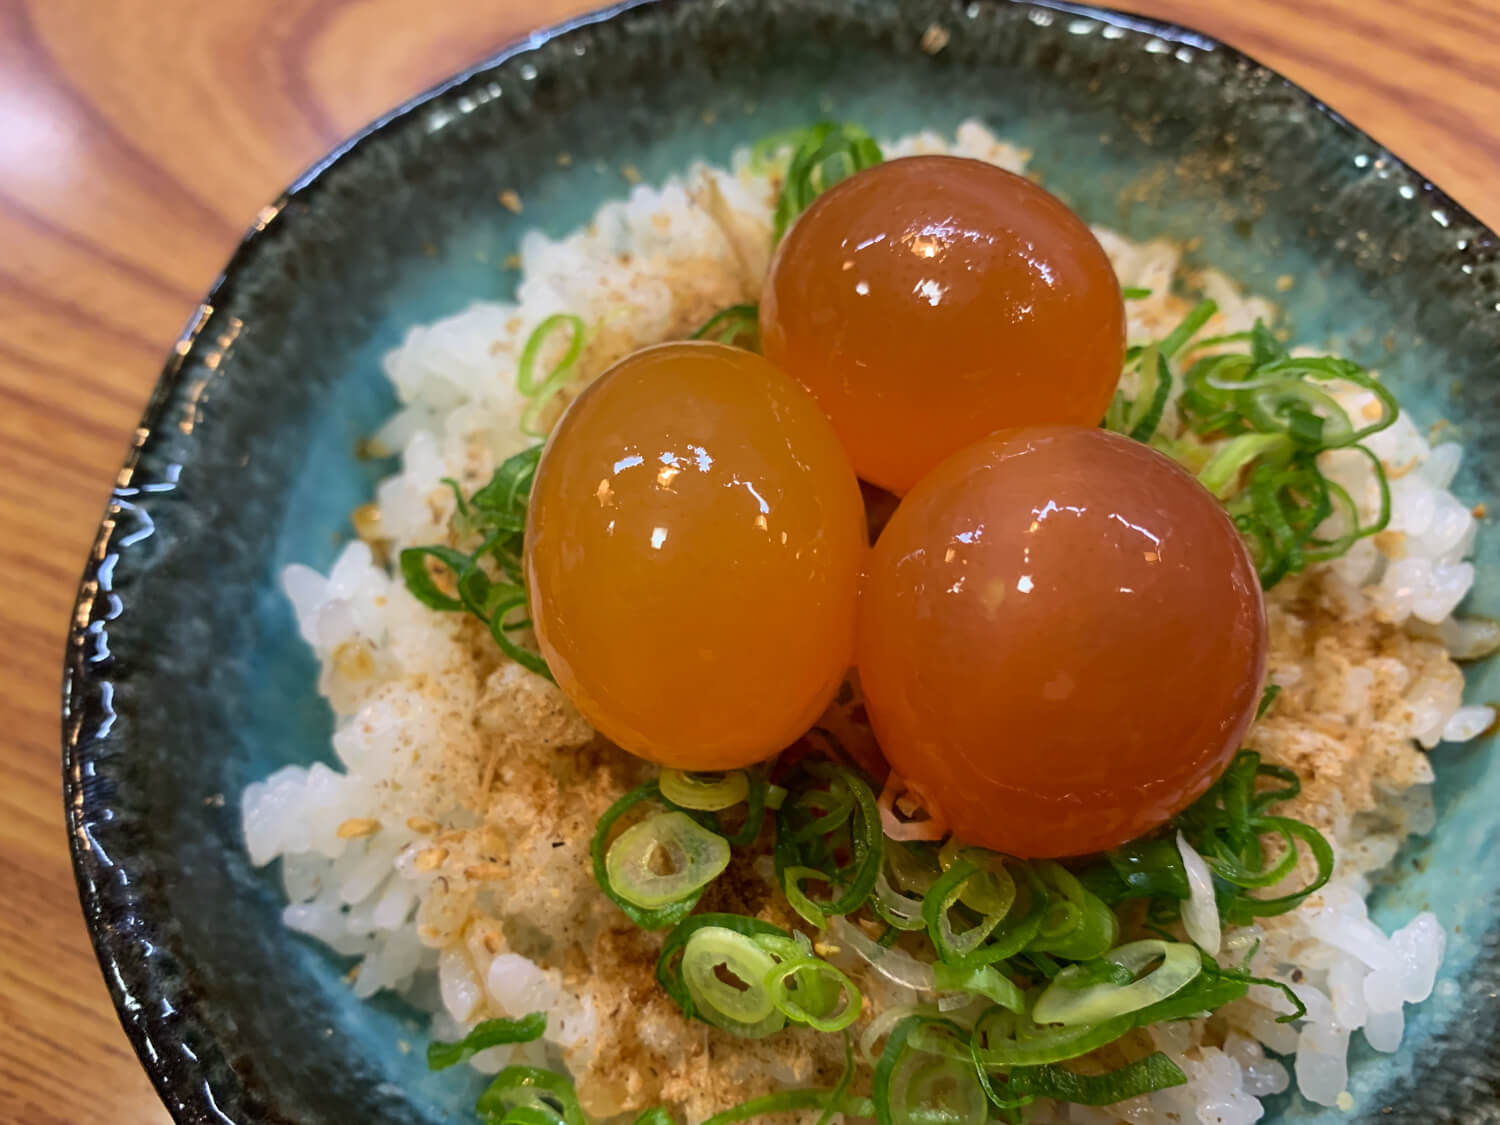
{"x": 851, "y": 615}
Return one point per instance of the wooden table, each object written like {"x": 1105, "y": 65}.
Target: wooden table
{"x": 137, "y": 140}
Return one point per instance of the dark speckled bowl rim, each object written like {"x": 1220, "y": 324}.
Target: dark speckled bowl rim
{"x": 136, "y": 993}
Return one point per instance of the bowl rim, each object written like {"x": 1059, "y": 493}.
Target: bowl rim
{"x": 135, "y": 993}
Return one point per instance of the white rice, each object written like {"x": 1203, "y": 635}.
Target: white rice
{"x": 510, "y": 922}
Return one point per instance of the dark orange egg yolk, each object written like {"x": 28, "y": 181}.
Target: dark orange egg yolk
{"x": 693, "y": 551}
{"x": 1061, "y": 640}
{"x": 931, "y": 300}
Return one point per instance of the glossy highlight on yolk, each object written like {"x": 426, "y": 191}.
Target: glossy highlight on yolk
{"x": 930, "y": 300}
{"x": 693, "y": 550}
{"x": 1061, "y": 640}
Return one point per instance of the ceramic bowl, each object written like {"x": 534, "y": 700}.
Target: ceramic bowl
{"x": 185, "y": 675}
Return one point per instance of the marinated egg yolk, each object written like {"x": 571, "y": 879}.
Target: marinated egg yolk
{"x": 931, "y": 300}
{"x": 693, "y": 551}
{"x": 1061, "y": 640}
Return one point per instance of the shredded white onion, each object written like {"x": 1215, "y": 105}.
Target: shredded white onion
{"x": 1200, "y": 915}
{"x": 893, "y": 964}
{"x": 905, "y": 907}
{"x": 950, "y": 1002}
{"x": 906, "y": 831}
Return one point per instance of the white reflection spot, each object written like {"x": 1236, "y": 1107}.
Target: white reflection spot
{"x": 658, "y": 537}
{"x": 930, "y": 291}
{"x": 765, "y": 508}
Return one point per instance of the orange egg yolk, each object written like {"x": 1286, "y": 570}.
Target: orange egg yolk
{"x": 693, "y": 551}
{"x": 931, "y": 300}
{"x": 1061, "y": 640}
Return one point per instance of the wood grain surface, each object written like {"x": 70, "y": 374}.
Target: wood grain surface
{"x": 137, "y": 140}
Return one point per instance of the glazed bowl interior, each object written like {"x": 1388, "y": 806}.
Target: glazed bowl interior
{"x": 187, "y": 678}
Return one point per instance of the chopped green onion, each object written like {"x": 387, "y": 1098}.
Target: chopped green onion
{"x": 540, "y": 391}
{"x": 1003, "y": 1039}
{"x": 534, "y": 1089}
{"x": 1134, "y": 293}
{"x": 953, "y": 946}
{"x": 706, "y": 792}
{"x": 1210, "y": 991}
{"x": 731, "y": 325}
{"x": 503, "y": 500}
{"x": 413, "y": 564}
{"x": 1062, "y": 1002}
{"x": 742, "y": 1003}
{"x": 758, "y": 791}
{"x": 496, "y": 514}
{"x": 1077, "y": 924}
{"x": 669, "y": 967}
{"x": 992, "y": 890}
{"x": 693, "y": 857}
{"x": 1276, "y": 418}
{"x": 526, "y": 1115}
{"x": 1099, "y": 971}
{"x": 816, "y": 992}
{"x": 908, "y": 868}
{"x": 1264, "y": 346}
{"x": 1267, "y": 698}
{"x": 1145, "y": 413}
{"x": 825, "y": 153}
{"x": 1150, "y": 868}
{"x": 802, "y": 974}
{"x": 490, "y": 1033}
{"x": 840, "y": 1092}
{"x": 1174, "y": 340}
{"x": 1245, "y": 908}
{"x": 833, "y": 832}
{"x": 1226, "y": 826}
{"x": 1221, "y": 475}
{"x": 986, "y": 981}
{"x": 1019, "y": 930}
{"x": 913, "y": 1085}
{"x": 901, "y": 911}
{"x": 1154, "y": 1072}
{"x": 656, "y": 1115}
{"x": 782, "y": 948}
{"x": 825, "y": 810}
{"x": 791, "y": 885}
{"x": 653, "y": 918}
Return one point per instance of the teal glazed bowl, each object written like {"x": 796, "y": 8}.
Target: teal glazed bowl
{"x": 186, "y": 679}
